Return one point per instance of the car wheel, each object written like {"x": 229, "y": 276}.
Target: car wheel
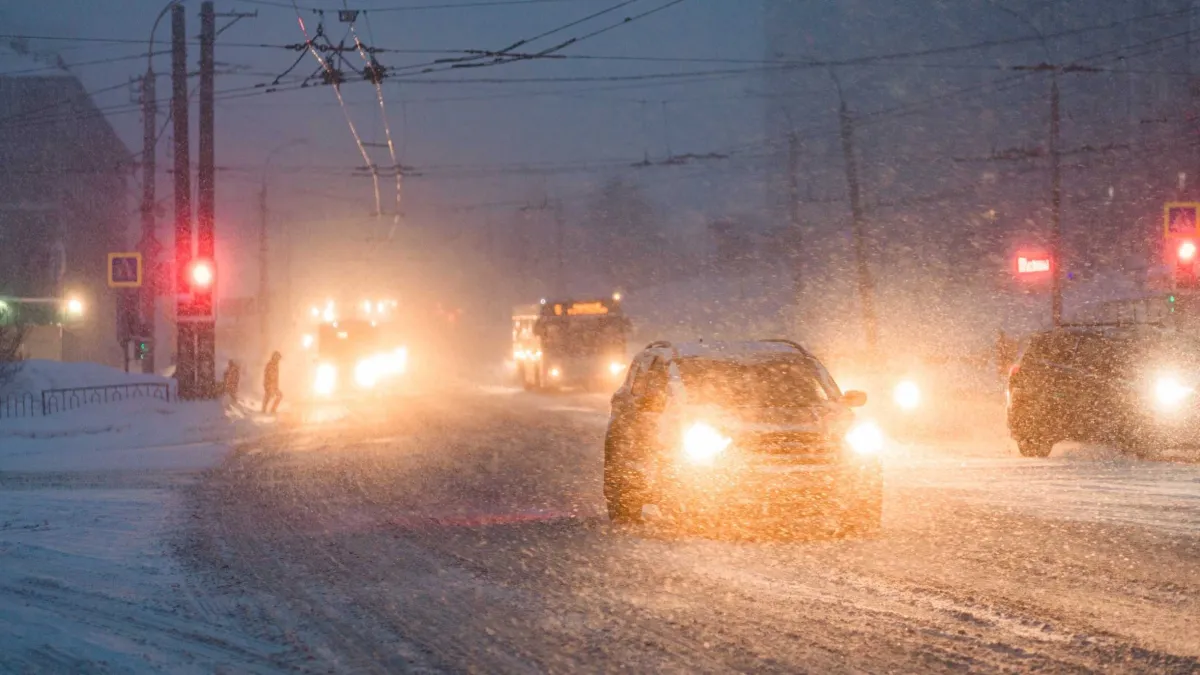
{"x": 622, "y": 501}
{"x": 1034, "y": 447}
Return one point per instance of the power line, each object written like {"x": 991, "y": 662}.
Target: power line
{"x": 410, "y": 8}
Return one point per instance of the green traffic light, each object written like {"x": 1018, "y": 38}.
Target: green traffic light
{"x": 1170, "y": 298}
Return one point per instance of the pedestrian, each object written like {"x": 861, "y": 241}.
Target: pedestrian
{"x": 271, "y": 384}
{"x": 230, "y": 382}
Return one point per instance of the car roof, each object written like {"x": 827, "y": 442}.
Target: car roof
{"x": 733, "y": 351}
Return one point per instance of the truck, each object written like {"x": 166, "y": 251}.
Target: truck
{"x": 354, "y": 356}
{"x": 561, "y": 344}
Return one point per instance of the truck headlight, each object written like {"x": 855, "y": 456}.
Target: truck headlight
{"x": 366, "y": 373}
{"x": 326, "y": 379}
{"x": 907, "y": 395}
{"x": 865, "y": 438}
{"x": 702, "y": 443}
{"x": 1170, "y": 393}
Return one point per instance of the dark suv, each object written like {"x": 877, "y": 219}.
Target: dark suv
{"x": 737, "y": 432}
{"x": 1129, "y": 384}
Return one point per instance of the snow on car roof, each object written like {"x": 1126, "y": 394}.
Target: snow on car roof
{"x": 731, "y": 350}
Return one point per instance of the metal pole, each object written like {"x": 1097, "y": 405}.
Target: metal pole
{"x": 185, "y": 367}
{"x": 206, "y": 366}
{"x": 1056, "y": 233}
{"x": 866, "y": 290}
{"x": 794, "y": 213}
{"x": 264, "y": 303}
{"x": 149, "y": 245}
{"x": 560, "y": 280}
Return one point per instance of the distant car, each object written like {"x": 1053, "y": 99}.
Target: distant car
{"x": 1130, "y": 384}
{"x": 740, "y": 432}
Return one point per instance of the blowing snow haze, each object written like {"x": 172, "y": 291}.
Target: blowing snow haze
{"x": 586, "y": 335}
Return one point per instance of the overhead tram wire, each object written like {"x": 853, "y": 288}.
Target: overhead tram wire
{"x": 337, "y": 90}
{"x": 376, "y": 75}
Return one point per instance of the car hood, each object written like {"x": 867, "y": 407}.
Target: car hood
{"x": 817, "y": 418}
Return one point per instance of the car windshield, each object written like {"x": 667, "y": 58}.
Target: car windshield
{"x": 770, "y": 384}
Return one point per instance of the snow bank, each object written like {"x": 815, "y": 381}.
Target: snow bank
{"x": 37, "y": 375}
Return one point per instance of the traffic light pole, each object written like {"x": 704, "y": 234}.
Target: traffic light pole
{"x": 148, "y": 245}
{"x": 185, "y": 359}
{"x": 206, "y": 199}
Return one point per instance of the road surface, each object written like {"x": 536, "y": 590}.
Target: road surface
{"x": 463, "y": 532}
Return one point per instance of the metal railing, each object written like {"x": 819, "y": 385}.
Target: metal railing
{"x": 27, "y": 404}
{"x": 22, "y": 404}
{"x": 61, "y": 400}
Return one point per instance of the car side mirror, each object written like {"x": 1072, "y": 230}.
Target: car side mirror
{"x": 854, "y": 399}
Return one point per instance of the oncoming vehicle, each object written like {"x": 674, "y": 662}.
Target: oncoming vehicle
{"x": 354, "y": 356}
{"x": 1130, "y": 384}
{"x": 568, "y": 343}
{"x": 730, "y": 432}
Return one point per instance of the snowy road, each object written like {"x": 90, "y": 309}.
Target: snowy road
{"x": 464, "y": 533}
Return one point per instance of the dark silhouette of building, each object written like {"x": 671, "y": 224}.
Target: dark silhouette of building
{"x": 63, "y": 201}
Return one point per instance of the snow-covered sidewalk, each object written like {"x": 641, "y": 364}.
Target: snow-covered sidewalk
{"x": 90, "y": 503}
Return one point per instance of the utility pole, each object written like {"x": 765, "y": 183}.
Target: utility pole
{"x": 866, "y": 290}
{"x": 185, "y": 365}
{"x": 1056, "y": 233}
{"x": 148, "y": 244}
{"x": 794, "y": 214}
{"x": 264, "y": 289}
{"x": 206, "y": 198}
{"x": 560, "y": 278}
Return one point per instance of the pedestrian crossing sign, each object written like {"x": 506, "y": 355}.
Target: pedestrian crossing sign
{"x": 124, "y": 270}
{"x": 1181, "y": 219}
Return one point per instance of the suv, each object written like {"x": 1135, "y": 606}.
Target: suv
{"x": 727, "y": 431}
{"x": 1132, "y": 384}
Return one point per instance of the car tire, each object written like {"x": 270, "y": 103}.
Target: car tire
{"x": 621, "y": 500}
{"x": 1034, "y": 447}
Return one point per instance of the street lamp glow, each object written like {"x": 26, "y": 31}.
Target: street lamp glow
{"x": 74, "y": 307}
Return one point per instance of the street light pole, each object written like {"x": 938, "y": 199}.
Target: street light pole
{"x": 1056, "y": 233}
{"x": 149, "y": 243}
{"x": 264, "y": 292}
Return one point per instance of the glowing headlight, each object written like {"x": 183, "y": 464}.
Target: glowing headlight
{"x": 865, "y": 438}
{"x": 702, "y": 443}
{"x": 616, "y": 368}
{"x": 326, "y": 380}
{"x": 555, "y": 373}
{"x": 1169, "y": 392}
{"x": 366, "y": 373}
{"x": 907, "y": 395}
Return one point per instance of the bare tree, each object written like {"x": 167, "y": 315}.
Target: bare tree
{"x": 11, "y": 339}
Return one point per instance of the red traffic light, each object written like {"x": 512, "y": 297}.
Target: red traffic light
{"x": 201, "y": 274}
{"x": 1187, "y": 251}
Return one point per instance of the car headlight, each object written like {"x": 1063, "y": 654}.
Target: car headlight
{"x": 555, "y": 373}
{"x": 366, "y": 373}
{"x": 326, "y": 379}
{"x": 616, "y": 368}
{"x": 907, "y": 395}
{"x": 1170, "y": 393}
{"x": 702, "y": 443}
{"x": 865, "y": 438}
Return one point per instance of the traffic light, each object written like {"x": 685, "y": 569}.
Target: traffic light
{"x": 1185, "y": 263}
{"x": 142, "y": 348}
{"x": 196, "y": 298}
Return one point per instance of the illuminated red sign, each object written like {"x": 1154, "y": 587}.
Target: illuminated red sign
{"x": 1032, "y": 265}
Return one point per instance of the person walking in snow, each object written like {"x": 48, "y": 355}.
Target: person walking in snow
{"x": 230, "y": 382}
{"x": 271, "y": 384}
